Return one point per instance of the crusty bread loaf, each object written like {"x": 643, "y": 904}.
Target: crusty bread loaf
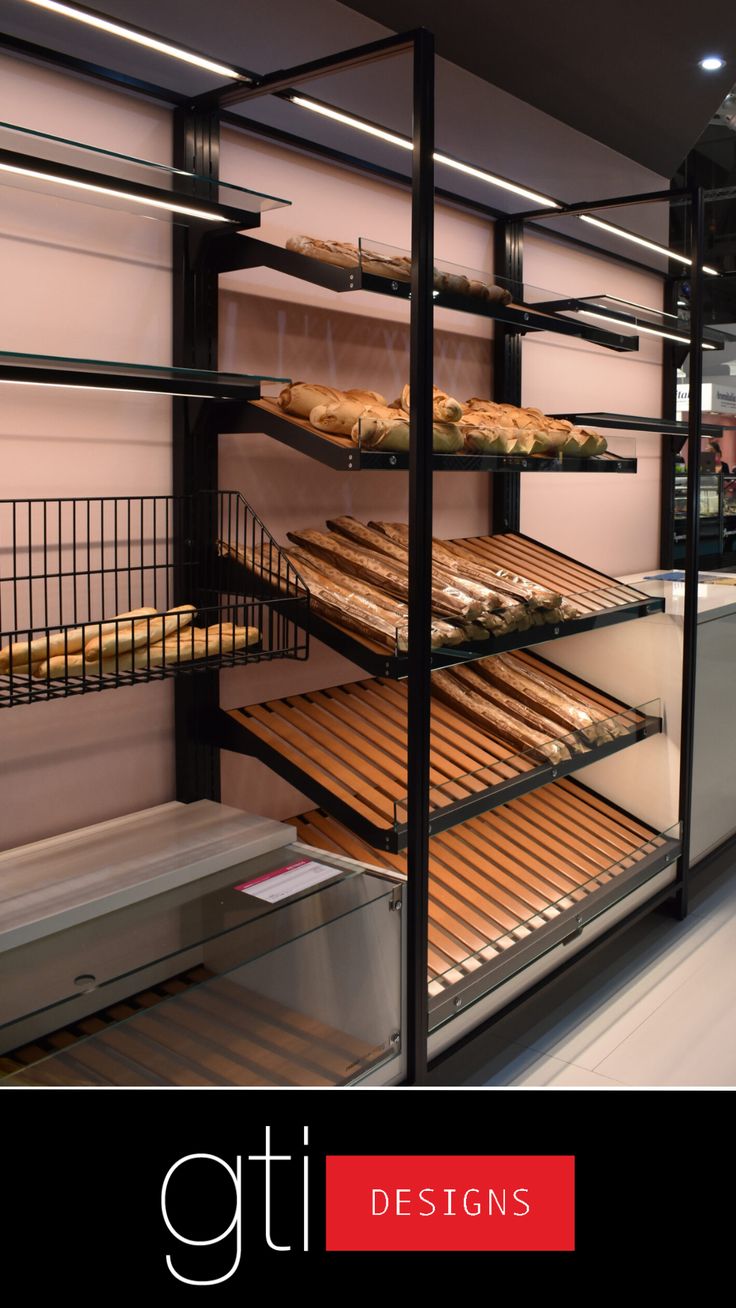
{"x": 340, "y": 416}
{"x": 444, "y": 406}
{"x": 368, "y": 397}
{"x": 184, "y": 647}
{"x": 62, "y": 642}
{"x": 301, "y": 397}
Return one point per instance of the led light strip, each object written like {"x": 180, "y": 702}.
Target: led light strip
{"x": 167, "y": 206}
{"x": 651, "y": 331}
{"x": 88, "y": 386}
{"x": 640, "y": 240}
{"x": 140, "y": 38}
{"x": 393, "y": 139}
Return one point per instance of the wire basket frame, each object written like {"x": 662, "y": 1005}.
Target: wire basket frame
{"x": 87, "y": 589}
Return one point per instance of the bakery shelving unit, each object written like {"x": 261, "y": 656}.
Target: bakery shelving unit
{"x": 505, "y": 866}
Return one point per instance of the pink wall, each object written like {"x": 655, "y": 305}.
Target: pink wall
{"x": 87, "y": 281}
{"x": 610, "y": 521}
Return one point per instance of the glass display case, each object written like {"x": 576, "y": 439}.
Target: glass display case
{"x": 712, "y": 489}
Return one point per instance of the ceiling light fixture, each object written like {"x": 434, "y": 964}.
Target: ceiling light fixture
{"x": 394, "y": 139}
{"x": 168, "y": 206}
{"x": 140, "y": 38}
{"x": 640, "y": 240}
{"x": 650, "y": 331}
{"x": 712, "y": 63}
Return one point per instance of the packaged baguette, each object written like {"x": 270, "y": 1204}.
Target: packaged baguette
{"x": 367, "y": 610}
{"x": 388, "y": 574}
{"x": 493, "y": 719}
{"x": 43, "y": 648}
{"x": 532, "y": 717}
{"x": 343, "y": 254}
{"x": 373, "y": 539}
{"x": 574, "y": 709}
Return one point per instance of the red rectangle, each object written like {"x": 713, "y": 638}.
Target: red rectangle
{"x": 468, "y": 1202}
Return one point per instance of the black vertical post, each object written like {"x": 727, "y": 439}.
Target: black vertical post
{"x": 508, "y": 262}
{"x": 692, "y": 546}
{"x": 672, "y": 357}
{"x": 195, "y": 328}
{"x": 420, "y": 553}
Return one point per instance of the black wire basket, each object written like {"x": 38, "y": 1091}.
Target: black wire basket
{"x": 105, "y": 592}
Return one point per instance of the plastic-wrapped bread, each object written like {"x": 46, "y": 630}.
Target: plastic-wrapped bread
{"x": 509, "y": 583}
{"x": 573, "y": 712}
{"x": 493, "y": 719}
{"x": 365, "y": 611}
{"x": 376, "y": 540}
{"x": 444, "y": 406}
{"x": 378, "y": 432}
{"x": 343, "y": 254}
{"x": 453, "y": 283}
{"x": 379, "y": 264}
{"x": 387, "y": 574}
{"x": 146, "y": 631}
{"x": 301, "y": 397}
{"x": 532, "y": 718}
{"x": 42, "y": 648}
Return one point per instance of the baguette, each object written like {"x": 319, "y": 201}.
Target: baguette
{"x": 339, "y": 416}
{"x": 444, "y": 406}
{"x": 343, "y": 254}
{"x": 62, "y": 642}
{"x": 197, "y": 643}
{"x": 148, "y": 631}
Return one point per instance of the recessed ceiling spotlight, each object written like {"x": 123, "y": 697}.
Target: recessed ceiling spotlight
{"x": 712, "y": 63}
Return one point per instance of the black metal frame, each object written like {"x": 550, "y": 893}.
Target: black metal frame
{"x": 195, "y": 458}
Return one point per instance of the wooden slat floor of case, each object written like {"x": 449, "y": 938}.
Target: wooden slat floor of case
{"x": 504, "y": 874}
{"x": 351, "y": 740}
{"x": 528, "y": 558}
{"x": 214, "y": 1034}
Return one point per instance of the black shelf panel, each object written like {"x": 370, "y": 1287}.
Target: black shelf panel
{"x": 339, "y": 451}
{"x": 236, "y": 252}
{"x": 634, "y": 422}
{"x": 72, "y": 569}
{"x": 345, "y": 748}
{"x": 106, "y": 374}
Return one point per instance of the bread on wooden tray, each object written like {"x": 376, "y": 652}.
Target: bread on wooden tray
{"x": 478, "y": 426}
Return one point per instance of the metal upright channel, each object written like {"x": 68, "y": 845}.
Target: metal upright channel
{"x": 195, "y": 332}
{"x": 508, "y": 263}
{"x": 421, "y": 373}
{"x": 692, "y": 545}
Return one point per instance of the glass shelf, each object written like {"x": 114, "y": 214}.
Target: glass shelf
{"x": 635, "y": 422}
{"x": 385, "y": 269}
{"x": 638, "y": 318}
{"x": 106, "y": 374}
{"x": 53, "y": 165}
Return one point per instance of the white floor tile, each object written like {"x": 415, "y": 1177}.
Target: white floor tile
{"x": 691, "y": 1038}
{"x": 514, "y": 1065}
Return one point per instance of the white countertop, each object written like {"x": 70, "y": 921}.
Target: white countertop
{"x": 714, "y": 600}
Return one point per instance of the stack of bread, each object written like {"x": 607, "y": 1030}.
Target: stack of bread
{"x": 392, "y": 265}
{"x": 134, "y": 641}
{"x": 476, "y": 427}
{"x": 358, "y": 578}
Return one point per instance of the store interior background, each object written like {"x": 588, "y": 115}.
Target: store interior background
{"x": 76, "y": 286}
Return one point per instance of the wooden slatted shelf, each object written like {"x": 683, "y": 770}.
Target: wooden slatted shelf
{"x": 508, "y": 884}
{"x": 265, "y": 415}
{"x": 346, "y": 748}
{"x": 210, "y": 1033}
{"x": 603, "y": 602}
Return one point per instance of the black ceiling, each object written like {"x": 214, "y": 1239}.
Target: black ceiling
{"x": 625, "y": 72}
